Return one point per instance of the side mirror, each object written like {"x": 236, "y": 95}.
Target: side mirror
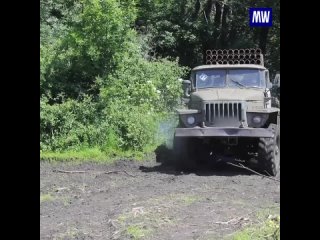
{"x": 186, "y": 82}
{"x": 186, "y": 86}
{"x": 269, "y": 85}
{"x": 276, "y": 80}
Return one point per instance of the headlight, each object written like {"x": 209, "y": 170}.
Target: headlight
{"x": 191, "y": 120}
{"x": 256, "y": 119}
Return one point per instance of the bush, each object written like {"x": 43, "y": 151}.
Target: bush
{"x": 138, "y": 97}
{"x": 126, "y": 116}
{"x": 71, "y": 125}
{"x": 98, "y": 88}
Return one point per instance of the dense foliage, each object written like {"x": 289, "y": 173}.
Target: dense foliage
{"x": 109, "y": 68}
{"x": 187, "y": 28}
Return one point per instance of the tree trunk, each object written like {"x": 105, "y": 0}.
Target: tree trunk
{"x": 208, "y": 9}
{"x": 224, "y": 27}
{"x": 217, "y": 22}
{"x": 263, "y": 39}
{"x": 196, "y": 10}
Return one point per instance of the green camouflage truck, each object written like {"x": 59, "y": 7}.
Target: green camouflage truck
{"x": 229, "y": 113}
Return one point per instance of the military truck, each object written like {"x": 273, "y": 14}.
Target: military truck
{"x": 229, "y": 113}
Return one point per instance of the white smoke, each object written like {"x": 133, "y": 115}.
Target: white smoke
{"x": 166, "y": 130}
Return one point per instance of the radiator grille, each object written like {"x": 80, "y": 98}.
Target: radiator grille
{"x": 223, "y": 112}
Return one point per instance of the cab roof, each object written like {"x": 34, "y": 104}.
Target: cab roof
{"x": 228, "y": 66}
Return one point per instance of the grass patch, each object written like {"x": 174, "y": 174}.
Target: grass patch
{"x": 46, "y": 198}
{"x": 268, "y": 228}
{"x": 147, "y": 216}
{"x": 143, "y": 220}
{"x": 66, "y": 201}
{"x": 85, "y": 154}
{"x": 95, "y": 155}
{"x": 189, "y": 199}
{"x": 137, "y": 232}
{"x": 71, "y": 233}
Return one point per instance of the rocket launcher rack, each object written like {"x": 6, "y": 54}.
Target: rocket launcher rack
{"x": 235, "y": 56}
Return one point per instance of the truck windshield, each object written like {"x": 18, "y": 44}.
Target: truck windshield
{"x": 246, "y": 78}
{"x": 211, "y": 78}
{"x": 233, "y": 78}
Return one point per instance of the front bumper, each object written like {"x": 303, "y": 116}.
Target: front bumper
{"x": 223, "y": 132}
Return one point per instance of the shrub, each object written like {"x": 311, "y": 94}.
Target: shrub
{"x": 98, "y": 88}
{"x": 71, "y": 125}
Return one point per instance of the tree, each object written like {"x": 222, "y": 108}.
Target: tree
{"x": 187, "y": 28}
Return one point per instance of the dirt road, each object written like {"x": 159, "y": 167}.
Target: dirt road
{"x": 149, "y": 200}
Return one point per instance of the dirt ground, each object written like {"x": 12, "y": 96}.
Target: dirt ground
{"x": 149, "y": 200}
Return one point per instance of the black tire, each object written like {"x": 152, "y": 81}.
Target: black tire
{"x": 184, "y": 149}
{"x": 269, "y": 153}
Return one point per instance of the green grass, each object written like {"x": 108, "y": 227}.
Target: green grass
{"x": 137, "y": 232}
{"x": 141, "y": 222}
{"x": 268, "y": 228}
{"x": 71, "y": 233}
{"x": 85, "y": 154}
{"x": 95, "y": 154}
{"x": 46, "y": 198}
{"x": 189, "y": 199}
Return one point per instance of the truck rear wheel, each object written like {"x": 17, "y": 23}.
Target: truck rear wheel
{"x": 269, "y": 153}
{"x": 184, "y": 149}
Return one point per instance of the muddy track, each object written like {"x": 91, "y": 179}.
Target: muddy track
{"x": 149, "y": 200}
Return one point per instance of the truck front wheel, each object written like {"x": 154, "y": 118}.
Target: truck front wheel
{"x": 269, "y": 153}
